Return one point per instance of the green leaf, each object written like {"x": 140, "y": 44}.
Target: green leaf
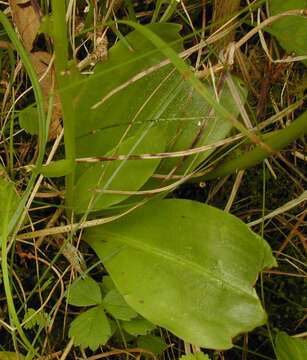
{"x": 195, "y": 356}
{"x": 183, "y": 131}
{"x": 289, "y": 348}
{"x": 290, "y": 31}
{"x": 127, "y": 105}
{"x": 161, "y": 96}
{"x": 7, "y": 191}
{"x": 91, "y": 328}
{"x": 84, "y": 292}
{"x": 116, "y": 305}
{"x": 56, "y": 168}
{"x": 7, "y": 355}
{"x": 138, "y": 326}
{"x": 28, "y": 119}
{"x": 107, "y": 284}
{"x": 152, "y": 343}
{"x": 37, "y": 320}
{"x": 127, "y": 175}
{"x": 187, "y": 267}
{"x": 46, "y": 25}
{"x": 172, "y": 102}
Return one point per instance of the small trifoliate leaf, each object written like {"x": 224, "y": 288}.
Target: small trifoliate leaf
{"x": 37, "y": 320}
{"x": 138, "y": 326}
{"x": 84, "y": 292}
{"x": 116, "y": 305}
{"x": 195, "y": 356}
{"x": 289, "y": 348}
{"x": 28, "y": 119}
{"x": 107, "y": 284}
{"x": 152, "y": 343}
{"x": 91, "y": 328}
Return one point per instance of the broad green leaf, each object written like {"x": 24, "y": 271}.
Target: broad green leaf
{"x": 122, "y": 108}
{"x": 7, "y": 355}
{"x": 116, "y": 305}
{"x": 289, "y": 348}
{"x": 91, "y": 328}
{"x": 173, "y": 104}
{"x": 187, "y": 267}
{"x": 152, "y": 343}
{"x": 56, "y": 168}
{"x": 129, "y": 175}
{"x": 195, "y": 356}
{"x": 84, "y": 292}
{"x": 290, "y": 31}
{"x": 159, "y": 96}
{"x": 28, "y": 119}
{"x": 138, "y": 326}
{"x": 7, "y": 191}
{"x": 183, "y": 131}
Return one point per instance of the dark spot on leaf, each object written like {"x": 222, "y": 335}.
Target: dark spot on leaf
{"x": 141, "y": 301}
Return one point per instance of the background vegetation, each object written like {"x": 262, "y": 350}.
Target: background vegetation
{"x": 36, "y": 313}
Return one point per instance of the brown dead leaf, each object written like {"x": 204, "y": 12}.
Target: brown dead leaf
{"x": 27, "y": 19}
{"x": 27, "y": 22}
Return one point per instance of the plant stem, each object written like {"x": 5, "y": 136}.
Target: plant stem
{"x": 6, "y": 278}
{"x": 277, "y": 141}
{"x": 41, "y": 116}
{"x": 60, "y": 41}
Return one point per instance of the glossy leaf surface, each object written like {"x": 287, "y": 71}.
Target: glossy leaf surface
{"x": 290, "y": 31}
{"x": 161, "y": 96}
{"x": 289, "y": 348}
{"x": 94, "y": 126}
{"x": 56, "y": 168}
{"x": 127, "y": 175}
{"x": 187, "y": 267}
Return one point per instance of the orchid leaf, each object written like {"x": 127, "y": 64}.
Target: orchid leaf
{"x": 122, "y": 175}
{"x": 187, "y": 267}
{"x": 288, "y": 348}
{"x": 290, "y": 31}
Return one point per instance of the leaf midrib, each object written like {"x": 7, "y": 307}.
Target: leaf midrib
{"x": 181, "y": 261}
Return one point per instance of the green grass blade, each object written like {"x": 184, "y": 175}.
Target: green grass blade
{"x": 41, "y": 114}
